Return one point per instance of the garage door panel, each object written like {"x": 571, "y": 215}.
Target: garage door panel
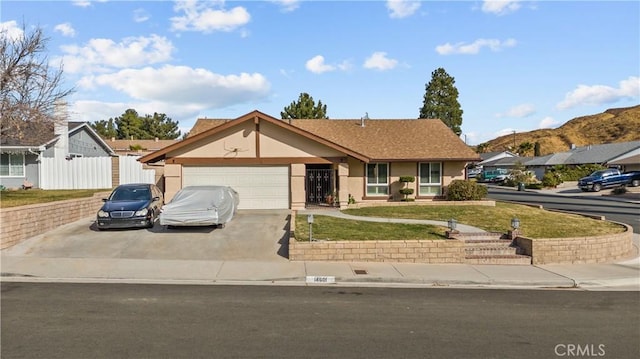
{"x": 259, "y": 187}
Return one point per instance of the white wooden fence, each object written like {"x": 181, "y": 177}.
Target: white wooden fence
{"x": 90, "y": 172}
{"x": 131, "y": 171}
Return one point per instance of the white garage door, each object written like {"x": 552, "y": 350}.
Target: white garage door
{"x": 259, "y": 187}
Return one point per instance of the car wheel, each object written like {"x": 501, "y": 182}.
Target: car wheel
{"x": 597, "y": 188}
{"x": 152, "y": 220}
{"x": 635, "y": 183}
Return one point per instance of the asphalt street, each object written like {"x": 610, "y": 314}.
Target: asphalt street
{"x": 169, "y": 321}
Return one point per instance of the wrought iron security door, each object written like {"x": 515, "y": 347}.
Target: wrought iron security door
{"x": 321, "y": 187}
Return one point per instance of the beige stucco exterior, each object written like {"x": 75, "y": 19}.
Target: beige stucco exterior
{"x": 254, "y": 142}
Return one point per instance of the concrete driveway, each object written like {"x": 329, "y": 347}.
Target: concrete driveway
{"x": 251, "y": 235}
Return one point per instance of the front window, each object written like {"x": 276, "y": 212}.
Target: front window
{"x": 12, "y": 165}
{"x": 430, "y": 179}
{"x": 377, "y": 179}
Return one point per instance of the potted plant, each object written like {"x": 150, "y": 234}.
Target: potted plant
{"x": 405, "y": 190}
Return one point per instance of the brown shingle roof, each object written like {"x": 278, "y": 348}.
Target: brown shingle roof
{"x": 380, "y": 139}
{"x": 377, "y": 140}
{"x": 147, "y": 145}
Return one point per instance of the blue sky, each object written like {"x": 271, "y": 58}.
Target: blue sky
{"x": 518, "y": 65}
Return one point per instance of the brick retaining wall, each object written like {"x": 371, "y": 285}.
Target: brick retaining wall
{"x": 578, "y": 250}
{"x": 412, "y": 251}
{"x": 20, "y": 223}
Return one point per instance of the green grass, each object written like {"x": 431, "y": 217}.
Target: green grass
{"x": 535, "y": 223}
{"x": 338, "y": 229}
{"x": 34, "y": 196}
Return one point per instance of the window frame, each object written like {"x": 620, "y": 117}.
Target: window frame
{"x": 22, "y": 166}
{"x": 376, "y": 184}
{"x": 427, "y": 185}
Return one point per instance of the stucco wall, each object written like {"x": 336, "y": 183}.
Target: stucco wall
{"x": 20, "y": 223}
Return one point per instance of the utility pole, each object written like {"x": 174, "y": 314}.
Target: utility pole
{"x": 514, "y": 140}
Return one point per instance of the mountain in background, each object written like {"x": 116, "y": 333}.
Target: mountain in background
{"x": 612, "y": 126}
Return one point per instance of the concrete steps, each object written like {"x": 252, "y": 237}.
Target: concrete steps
{"x": 485, "y": 250}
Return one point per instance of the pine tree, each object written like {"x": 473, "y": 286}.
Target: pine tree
{"x": 305, "y": 108}
{"x": 441, "y": 101}
{"x": 130, "y": 125}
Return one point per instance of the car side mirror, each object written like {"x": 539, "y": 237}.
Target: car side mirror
{"x": 104, "y": 200}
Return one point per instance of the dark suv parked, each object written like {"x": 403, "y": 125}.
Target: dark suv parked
{"x": 131, "y": 205}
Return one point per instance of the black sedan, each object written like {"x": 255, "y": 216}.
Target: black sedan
{"x": 131, "y": 205}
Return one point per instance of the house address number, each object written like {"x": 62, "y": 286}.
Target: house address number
{"x": 320, "y": 279}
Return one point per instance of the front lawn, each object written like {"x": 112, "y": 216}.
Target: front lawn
{"x": 534, "y": 223}
{"x": 33, "y": 196}
{"x": 338, "y": 229}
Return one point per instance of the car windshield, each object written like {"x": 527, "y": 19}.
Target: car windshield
{"x": 131, "y": 194}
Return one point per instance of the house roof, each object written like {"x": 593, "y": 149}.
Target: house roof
{"x": 631, "y": 160}
{"x": 147, "y": 145}
{"x": 507, "y": 161}
{"x": 377, "y": 140}
{"x": 586, "y": 154}
{"x": 42, "y": 134}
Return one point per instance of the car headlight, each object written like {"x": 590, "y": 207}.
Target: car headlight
{"x": 142, "y": 212}
{"x": 103, "y": 214}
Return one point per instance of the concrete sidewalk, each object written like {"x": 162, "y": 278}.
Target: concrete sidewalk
{"x": 623, "y": 275}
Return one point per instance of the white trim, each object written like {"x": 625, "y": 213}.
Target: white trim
{"x": 24, "y": 167}
{"x": 376, "y": 184}
{"x": 429, "y": 184}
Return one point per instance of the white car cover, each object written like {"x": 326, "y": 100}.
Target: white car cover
{"x": 200, "y": 206}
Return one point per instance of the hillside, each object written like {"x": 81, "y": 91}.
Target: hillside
{"x": 612, "y": 126}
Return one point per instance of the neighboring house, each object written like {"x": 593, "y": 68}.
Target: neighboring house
{"x": 505, "y": 163}
{"x": 22, "y": 152}
{"x": 489, "y": 157}
{"x": 275, "y": 163}
{"x": 138, "y": 147}
{"x": 629, "y": 161}
{"x": 609, "y": 154}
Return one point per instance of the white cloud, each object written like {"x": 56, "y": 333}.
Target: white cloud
{"x": 402, "y": 8}
{"x": 85, "y": 3}
{"x": 380, "y": 61}
{"x": 11, "y": 30}
{"x": 548, "y": 122}
{"x": 184, "y": 86}
{"x": 287, "y": 5}
{"x": 81, "y": 3}
{"x": 519, "y": 111}
{"x": 601, "y": 94}
{"x": 141, "y": 15}
{"x": 65, "y": 29}
{"x": 475, "y": 47}
{"x": 208, "y": 16}
{"x": 500, "y": 7}
{"x": 317, "y": 65}
{"x": 102, "y": 54}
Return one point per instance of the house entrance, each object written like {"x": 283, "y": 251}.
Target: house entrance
{"x": 320, "y": 186}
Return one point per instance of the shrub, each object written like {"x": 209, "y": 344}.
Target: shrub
{"x": 464, "y": 190}
{"x": 574, "y": 173}
{"x": 405, "y": 191}
{"x": 551, "y": 179}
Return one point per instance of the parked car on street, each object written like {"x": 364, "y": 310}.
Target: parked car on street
{"x": 497, "y": 175}
{"x": 608, "y": 178}
{"x": 131, "y": 205}
{"x": 200, "y": 206}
